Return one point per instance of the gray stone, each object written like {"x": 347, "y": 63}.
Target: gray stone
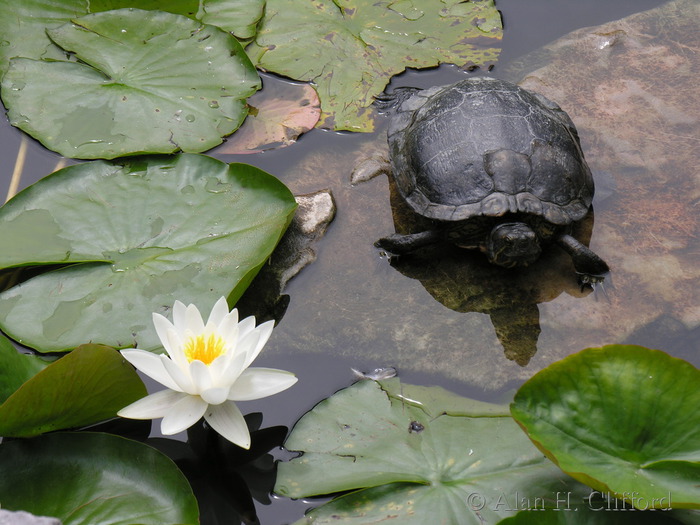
{"x": 20, "y": 517}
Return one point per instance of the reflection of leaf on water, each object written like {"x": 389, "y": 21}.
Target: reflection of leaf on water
{"x": 132, "y": 235}
{"x": 414, "y": 455}
{"x": 224, "y": 477}
{"x": 350, "y": 49}
{"x": 147, "y": 82}
{"x": 279, "y": 114}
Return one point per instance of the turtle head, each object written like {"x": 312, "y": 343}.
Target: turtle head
{"x": 513, "y": 244}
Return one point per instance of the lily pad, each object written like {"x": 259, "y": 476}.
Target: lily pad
{"x": 23, "y": 28}
{"x": 240, "y": 17}
{"x": 16, "y": 368}
{"x": 147, "y": 81}
{"x": 86, "y": 478}
{"x": 414, "y": 455}
{"x": 623, "y": 419}
{"x": 279, "y": 114}
{"x": 134, "y": 236}
{"x": 351, "y": 49}
{"x": 23, "y": 24}
{"x": 86, "y": 386}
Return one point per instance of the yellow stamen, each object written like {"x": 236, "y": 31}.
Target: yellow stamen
{"x": 197, "y": 348}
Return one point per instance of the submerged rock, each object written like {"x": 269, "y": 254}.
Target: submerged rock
{"x": 631, "y": 89}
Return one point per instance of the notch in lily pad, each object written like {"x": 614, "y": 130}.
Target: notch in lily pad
{"x": 144, "y": 82}
{"x": 414, "y": 455}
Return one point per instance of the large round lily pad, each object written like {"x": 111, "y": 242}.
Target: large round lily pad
{"x": 350, "y": 50}
{"x": 623, "y": 419}
{"x": 94, "y": 479}
{"x": 414, "y": 455}
{"x": 134, "y": 236}
{"x": 147, "y": 82}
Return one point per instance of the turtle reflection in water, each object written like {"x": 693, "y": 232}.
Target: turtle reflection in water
{"x": 495, "y": 167}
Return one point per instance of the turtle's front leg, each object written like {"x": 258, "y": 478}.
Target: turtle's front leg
{"x": 398, "y": 244}
{"x": 589, "y": 266}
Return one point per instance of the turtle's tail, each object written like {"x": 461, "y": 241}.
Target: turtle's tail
{"x": 388, "y": 101}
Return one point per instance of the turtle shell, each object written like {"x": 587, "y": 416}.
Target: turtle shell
{"x": 486, "y": 147}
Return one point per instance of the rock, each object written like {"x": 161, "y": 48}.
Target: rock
{"x": 295, "y": 251}
{"x": 25, "y": 518}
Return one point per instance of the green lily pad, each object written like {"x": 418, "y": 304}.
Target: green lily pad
{"x": 86, "y": 478}
{"x": 23, "y": 24}
{"x": 86, "y": 386}
{"x": 23, "y": 28}
{"x": 414, "y": 455}
{"x": 240, "y": 17}
{"x": 134, "y": 236}
{"x": 16, "y": 368}
{"x": 351, "y": 49}
{"x": 623, "y": 419}
{"x": 598, "y": 513}
{"x": 148, "y": 82}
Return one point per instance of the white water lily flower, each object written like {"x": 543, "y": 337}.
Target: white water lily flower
{"x": 205, "y": 371}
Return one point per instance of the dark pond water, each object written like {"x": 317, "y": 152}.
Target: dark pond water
{"x": 352, "y": 309}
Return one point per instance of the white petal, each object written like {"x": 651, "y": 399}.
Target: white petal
{"x": 215, "y": 396}
{"x": 255, "y": 383}
{"x": 162, "y": 326}
{"x": 180, "y": 376}
{"x": 183, "y": 414}
{"x": 247, "y": 345}
{"x": 245, "y": 326}
{"x": 179, "y": 318}
{"x": 153, "y": 406}
{"x": 227, "y": 373}
{"x": 228, "y": 421}
{"x": 199, "y": 372}
{"x": 218, "y": 312}
{"x": 264, "y": 332}
{"x": 193, "y": 320}
{"x": 176, "y": 351}
{"x": 228, "y": 327}
{"x": 151, "y": 365}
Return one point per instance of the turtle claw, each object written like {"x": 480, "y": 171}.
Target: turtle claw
{"x": 595, "y": 282}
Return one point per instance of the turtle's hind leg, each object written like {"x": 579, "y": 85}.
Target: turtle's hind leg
{"x": 590, "y": 267}
{"x": 398, "y": 244}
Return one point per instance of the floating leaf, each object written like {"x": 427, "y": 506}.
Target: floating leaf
{"x": 148, "y": 81}
{"x": 415, "y": 455}
{"x": 351, "y": 49}
{"x": 280, "y": 113}
{"x": 86, "y": 386}
{"x": 241, "y": 17}
{"x": 623, "y": 419}
{"x": 143, "y": 233}
{"x": 15, "y": 369}
{"x": 595, "y": 512}
{"x": 86, "y": 478}
{"x": 23, "y": 28}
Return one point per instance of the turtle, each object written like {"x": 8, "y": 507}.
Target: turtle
{"x": 494, "y": 167}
